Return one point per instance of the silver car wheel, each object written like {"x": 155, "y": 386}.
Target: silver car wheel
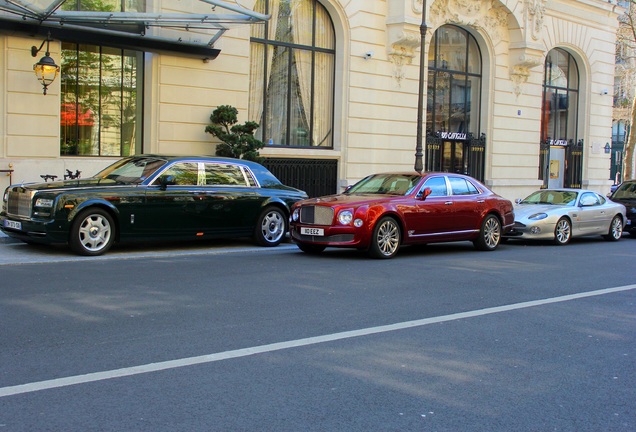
{"x": 562, "y": 232}
{"x": 386, "y": 239}
{"x": 489, "y": 234}
{"x": 271, "y": 227}
{"x": 492, "y": 233}
{"x": 616, "y": 229}
{"x": 92, "y": 233}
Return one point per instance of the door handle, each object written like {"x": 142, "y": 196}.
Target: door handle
{"x": 448, "y": 203}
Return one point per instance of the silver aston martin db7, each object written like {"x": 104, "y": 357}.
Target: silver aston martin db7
{"x": 560, "y": 214}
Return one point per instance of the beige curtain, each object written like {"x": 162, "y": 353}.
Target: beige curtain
{"x": 257, "y": 89}
{"x": 324, "y": 78}
{"x": 302, "y": 31}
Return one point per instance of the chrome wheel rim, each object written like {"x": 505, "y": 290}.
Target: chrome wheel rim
{"x": 617, "y": 228}
{"x": 562, "y": 231}
{"x": 388, "y": 238}
{"x": 492, "y": 233}
{"x": 273, "y": 227}
{"x": 94, "y": 233}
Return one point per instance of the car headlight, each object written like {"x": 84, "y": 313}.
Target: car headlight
{"x": 538, "y": 216}
{"x": 345, "y": 217}
{"x": 44, "y": 202}
{"x": 296, "y": 214}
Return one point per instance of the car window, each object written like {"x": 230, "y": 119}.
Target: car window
{"x": 437, "y": 186}
{"x": 131, "y": 170}
{"x": 460, "y": 186}
{"x": 626, "y": 191}
{"x": 590, "y": 199}
{"x": 391, "y": 184}
{"x": 224, "y": 174}
{"x": 185, "y": 173}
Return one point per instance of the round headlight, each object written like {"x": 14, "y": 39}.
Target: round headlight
{"x": 345, "y": 217}
{"x": 296, "y": 215}
{"x": 538, "y": 216}
{"x": 358, "y": 223}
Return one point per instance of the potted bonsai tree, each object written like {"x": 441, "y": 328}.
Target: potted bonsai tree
{"x": 237, "y": 140}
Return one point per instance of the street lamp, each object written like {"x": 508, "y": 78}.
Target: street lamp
{"x": 45, "y": 70}
{"x": 419, "y": 166}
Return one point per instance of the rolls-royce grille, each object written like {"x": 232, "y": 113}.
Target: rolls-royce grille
{"x": 19, "y": 204}
{"x": 316, "y": 215}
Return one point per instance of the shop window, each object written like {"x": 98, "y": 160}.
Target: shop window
{"x": 292, "y": 74}
{"x": 101, "y": 92}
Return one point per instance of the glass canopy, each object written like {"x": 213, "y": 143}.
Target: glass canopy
{"x": 222, "y": 15}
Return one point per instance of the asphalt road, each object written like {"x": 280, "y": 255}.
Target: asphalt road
{"x": 229, "y": 337}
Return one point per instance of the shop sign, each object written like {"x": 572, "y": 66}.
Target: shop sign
{"x": 452, "y": 135}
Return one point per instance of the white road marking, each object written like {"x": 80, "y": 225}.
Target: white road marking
{"x": 209, "y": 358}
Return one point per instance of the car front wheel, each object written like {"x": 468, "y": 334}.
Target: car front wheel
{"x": 562, "y": 232}
{"x": 386, "y": 239}
{"x": 489, "y": 234}
{"x": 92, "y": 232}
{"x": 615, "y": 229}
{"x": 270, "y": 227}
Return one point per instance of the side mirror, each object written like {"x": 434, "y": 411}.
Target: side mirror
{"x": 167, "y": 180}
{"x": 424, "y": 194}
{"x": 518, "y": 200}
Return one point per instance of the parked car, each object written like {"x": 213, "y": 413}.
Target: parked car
{"x": 626, "y": 195}
{"x": 151, "y": 197}
{"x": 561, "y": 214}
{"x": 384, "y": 211}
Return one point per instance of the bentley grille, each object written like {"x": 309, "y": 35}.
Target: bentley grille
{"x": 316, "y": 215}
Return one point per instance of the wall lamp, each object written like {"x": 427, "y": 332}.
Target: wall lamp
{"x": 45, "y": 70}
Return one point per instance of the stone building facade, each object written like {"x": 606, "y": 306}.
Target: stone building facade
{"x": 518, "y": 93}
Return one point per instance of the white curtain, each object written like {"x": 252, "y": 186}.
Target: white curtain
{"x": 302, "y": 31}
{"x": 258, "y": 53}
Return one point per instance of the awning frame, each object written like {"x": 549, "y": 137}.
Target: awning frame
{"x": 128, "y": 29}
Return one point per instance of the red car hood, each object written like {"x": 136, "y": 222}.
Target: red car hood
{"x": 353, "y": 199}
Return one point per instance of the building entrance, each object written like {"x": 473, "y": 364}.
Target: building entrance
{"x": 454, "y": 157}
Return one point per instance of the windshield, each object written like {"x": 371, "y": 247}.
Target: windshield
{"x": 626, "y": 191}
{"x": 131, "y": 170}
{"x": 551, "y": 197}
{"x": 385, "y": 184}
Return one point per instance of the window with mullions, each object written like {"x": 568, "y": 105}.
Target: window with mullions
{"x": 292, "y": 74}
{"x": 101, "y": 92}
{"x": 560, "y": 98}
{"x": 454, "y": 82}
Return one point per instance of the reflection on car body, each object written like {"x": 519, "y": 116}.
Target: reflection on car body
{"x": 383, "y": 211}
{"x": 560, "y": 214}
{"x": 152, "y": 197}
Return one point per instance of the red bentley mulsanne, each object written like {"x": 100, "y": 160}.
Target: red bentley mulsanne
{"x": 384, "y": 211}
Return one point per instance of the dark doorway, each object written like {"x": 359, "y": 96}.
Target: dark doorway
{"x": 454, "y": 158}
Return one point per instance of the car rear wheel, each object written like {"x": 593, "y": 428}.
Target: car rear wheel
{"x": 311, "y": 248}
{"x": 562, "y": 232}
{"x": 270, "y": 227}
{"x": 92, "y": 232}
{"x": 489, "y": 234}
{"x": 386, "y": 238}
{"x": 615, "y": 229}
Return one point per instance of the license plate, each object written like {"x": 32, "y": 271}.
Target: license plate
{"x": 12, "y": 224}
{"x": 312, "y": 231}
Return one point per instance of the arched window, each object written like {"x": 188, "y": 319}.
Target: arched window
{"x": 454, "y": 143}
{"x": 561, "y": 152}
{"x": 292, "y": 74}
